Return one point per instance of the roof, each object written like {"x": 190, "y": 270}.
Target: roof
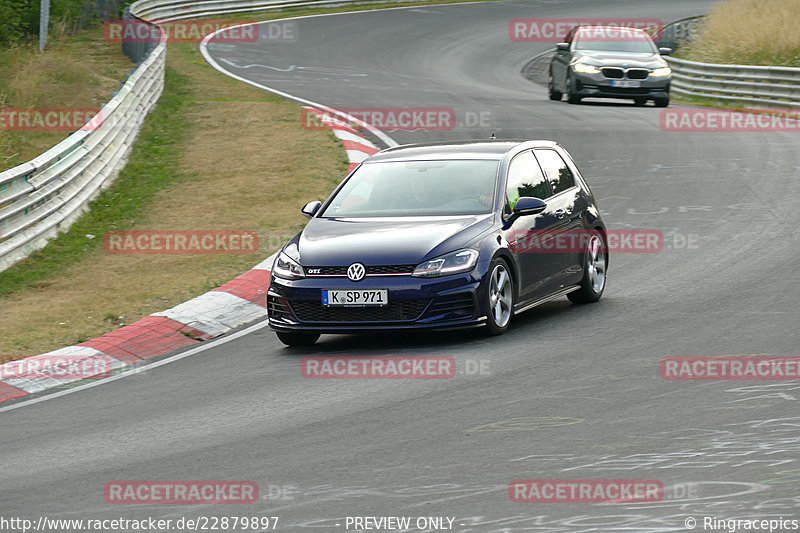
{"x": 470, "y": 149}
{"x": 616, "y": 28}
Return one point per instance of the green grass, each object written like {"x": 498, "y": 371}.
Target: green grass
{"x": 152, "y": 166}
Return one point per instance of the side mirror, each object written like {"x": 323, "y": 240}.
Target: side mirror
{"x": 563, "y": 46}
{"x": 529, "y": 205}
{"x": 526, "y": 205}
{"x": 311, "y": 208}
{"x": 665, "y": 51}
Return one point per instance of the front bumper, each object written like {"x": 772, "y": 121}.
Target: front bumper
{"x": 598, "y": 86}
{"x": 414, "y": 303}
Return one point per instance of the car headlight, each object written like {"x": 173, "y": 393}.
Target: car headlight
{"x": 287, "y": 268}
{"x": 662, "y": 71}
{"x": 585, "y": 68}
{"x": 445, "y": 265}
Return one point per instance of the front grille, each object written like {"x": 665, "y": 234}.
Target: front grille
{"x": 276, "y": 308}
{"x": 461, "y": 304}
{"x": 326, "y": 271}
{"x": 631, "y": 73}
{"x": 314, "y": 311}
{"x": 372, "y": 270}
{"x": 637, "y": 73}
{"x": 390, "y": 269}
{"x": 612, "y": 72}
{"x": 626, "y": 90}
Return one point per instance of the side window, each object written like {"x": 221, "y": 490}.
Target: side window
{"x": 558, "y": 173}
{"x": 525, "y": 178}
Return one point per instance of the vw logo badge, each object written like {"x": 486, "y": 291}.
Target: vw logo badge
{"x": 356, "y": 272}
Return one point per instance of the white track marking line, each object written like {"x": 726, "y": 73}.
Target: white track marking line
{"x": 177, "y": 357}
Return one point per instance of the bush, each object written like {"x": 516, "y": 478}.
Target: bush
{"x": 19, "y": 19}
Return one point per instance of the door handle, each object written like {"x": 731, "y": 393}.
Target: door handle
{"x": 560, "y": 213}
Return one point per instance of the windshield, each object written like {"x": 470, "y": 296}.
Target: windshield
{"x": 417, "y": 188}
{"x": 614, "y": 40}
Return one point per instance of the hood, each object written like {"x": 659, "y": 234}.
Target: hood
{"x": 620, "y": 59}
{"x": 386, "y": 241}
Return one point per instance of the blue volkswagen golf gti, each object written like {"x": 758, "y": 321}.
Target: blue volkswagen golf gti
{"x": 441, "y": 236}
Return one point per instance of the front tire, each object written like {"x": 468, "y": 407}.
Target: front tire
{"x": 571, "y": 97}
{"x": 551, "y": 86}
{"x": 297, "y": 338}
{"x": 662, "y": 102}
{"x": 594, "y": 271}
{"x": 499, "y": 298}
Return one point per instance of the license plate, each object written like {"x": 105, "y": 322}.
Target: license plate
{"x": 626, "y": 83}
{"x": 355, "y": 297}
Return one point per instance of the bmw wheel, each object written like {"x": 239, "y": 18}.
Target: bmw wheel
{"x": 551, "y": 86}
{"x": 571, "y": 97}
{"x": 594, "y": 271}
{"x": 499, "y": 298}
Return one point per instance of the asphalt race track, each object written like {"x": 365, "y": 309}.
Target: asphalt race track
{"x": 570, "y": 392}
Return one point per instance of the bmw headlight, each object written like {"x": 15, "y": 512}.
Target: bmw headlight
{"x": 445, "y": 265}
{"x": 287, "y": 268}
{"x": 662, "y": 71}
{"x": 585, "y": 68}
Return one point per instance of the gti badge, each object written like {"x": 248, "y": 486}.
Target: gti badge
{"x": 356, "y": 272}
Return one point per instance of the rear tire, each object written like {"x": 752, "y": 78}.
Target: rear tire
{"x": 594, "y": 271}
{"x": 640, "y": 100}
{"x": 499, "y": 298}
{"x": 297, "y": 338}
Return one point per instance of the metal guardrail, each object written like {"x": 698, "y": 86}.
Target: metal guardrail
{"x": 44, "y": 196}
{"x": 679, "y": 32}
{"x": 774, "y": 87}
{"x": 167, "y": 10}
